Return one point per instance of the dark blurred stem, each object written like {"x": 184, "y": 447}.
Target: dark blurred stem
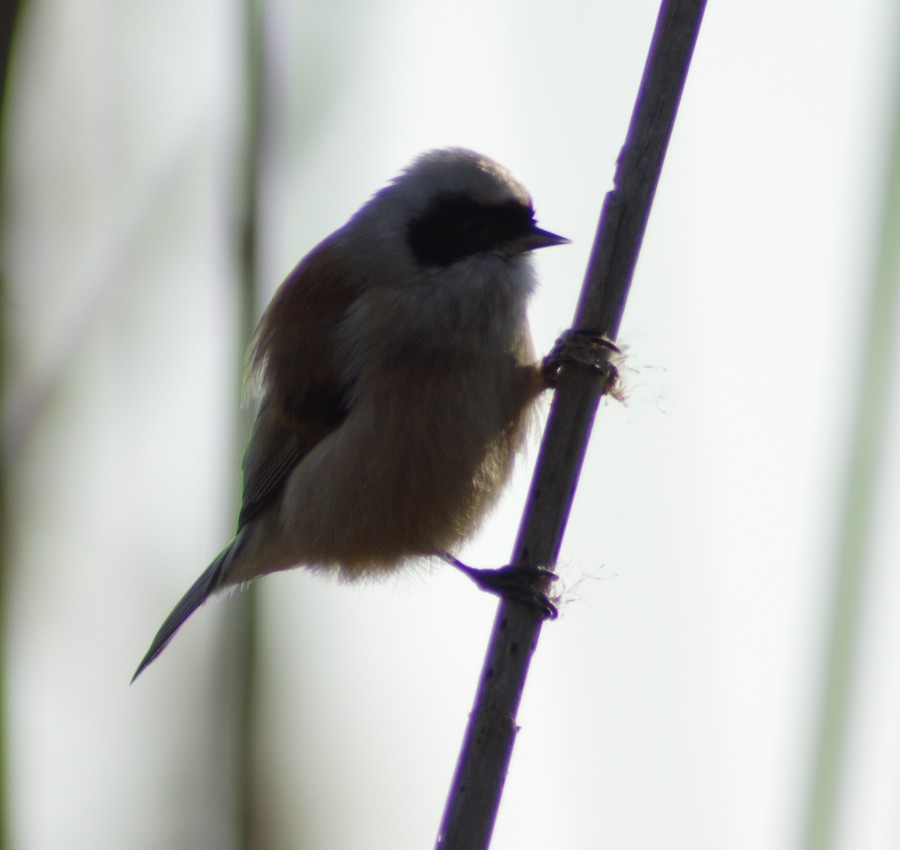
{"x": 477, "y": 785}
{"x": 243, "y": 673}
{"x": 9, "y": 17}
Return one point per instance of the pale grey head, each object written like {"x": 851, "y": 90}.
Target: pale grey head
{"x": 453, "y": 203}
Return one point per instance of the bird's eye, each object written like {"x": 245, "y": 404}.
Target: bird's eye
{"x": 456, "y": 226}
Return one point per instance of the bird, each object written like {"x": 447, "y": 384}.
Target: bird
{"x": 396, "y": 382}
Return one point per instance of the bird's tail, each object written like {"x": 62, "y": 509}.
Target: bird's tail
{"x": 209, "y": 581}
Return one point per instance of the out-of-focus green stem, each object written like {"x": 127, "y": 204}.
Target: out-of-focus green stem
{"x": 243, "y": 671}
{"x": 9, "y": 17}
{"x": 866, "y": 451}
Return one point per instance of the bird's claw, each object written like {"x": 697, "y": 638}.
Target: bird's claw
{"x": 512, "y": 582}
{"x": 582, "y": 347}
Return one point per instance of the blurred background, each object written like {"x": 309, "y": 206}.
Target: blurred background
{"x": 724, "y": 669}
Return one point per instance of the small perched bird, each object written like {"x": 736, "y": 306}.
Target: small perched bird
{"x": 396, "y": 377}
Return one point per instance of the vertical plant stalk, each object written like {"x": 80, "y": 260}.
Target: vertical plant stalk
{"x": 9, "y": 17}
{"x": 860, "y": 490}
{"x": 477, "y": 785}
{"x": 241, "y": 681}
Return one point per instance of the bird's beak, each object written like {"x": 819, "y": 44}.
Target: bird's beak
{"x": 537, "y": 238}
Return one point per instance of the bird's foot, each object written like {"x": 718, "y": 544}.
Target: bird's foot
{"x": 512, "y": 582}
{"x": 585, "y": 348}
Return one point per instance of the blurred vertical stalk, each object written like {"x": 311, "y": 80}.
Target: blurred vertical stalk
{"x": 866, "y": 451}
{"x": 243, "y": 684}
{"x": 9, "y": 16}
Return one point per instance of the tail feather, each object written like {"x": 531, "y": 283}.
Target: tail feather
{"x": 209, "y": 581}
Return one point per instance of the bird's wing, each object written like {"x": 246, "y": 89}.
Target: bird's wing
{"x": 292, "y": 364}
{"x": 276, "y": 446}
